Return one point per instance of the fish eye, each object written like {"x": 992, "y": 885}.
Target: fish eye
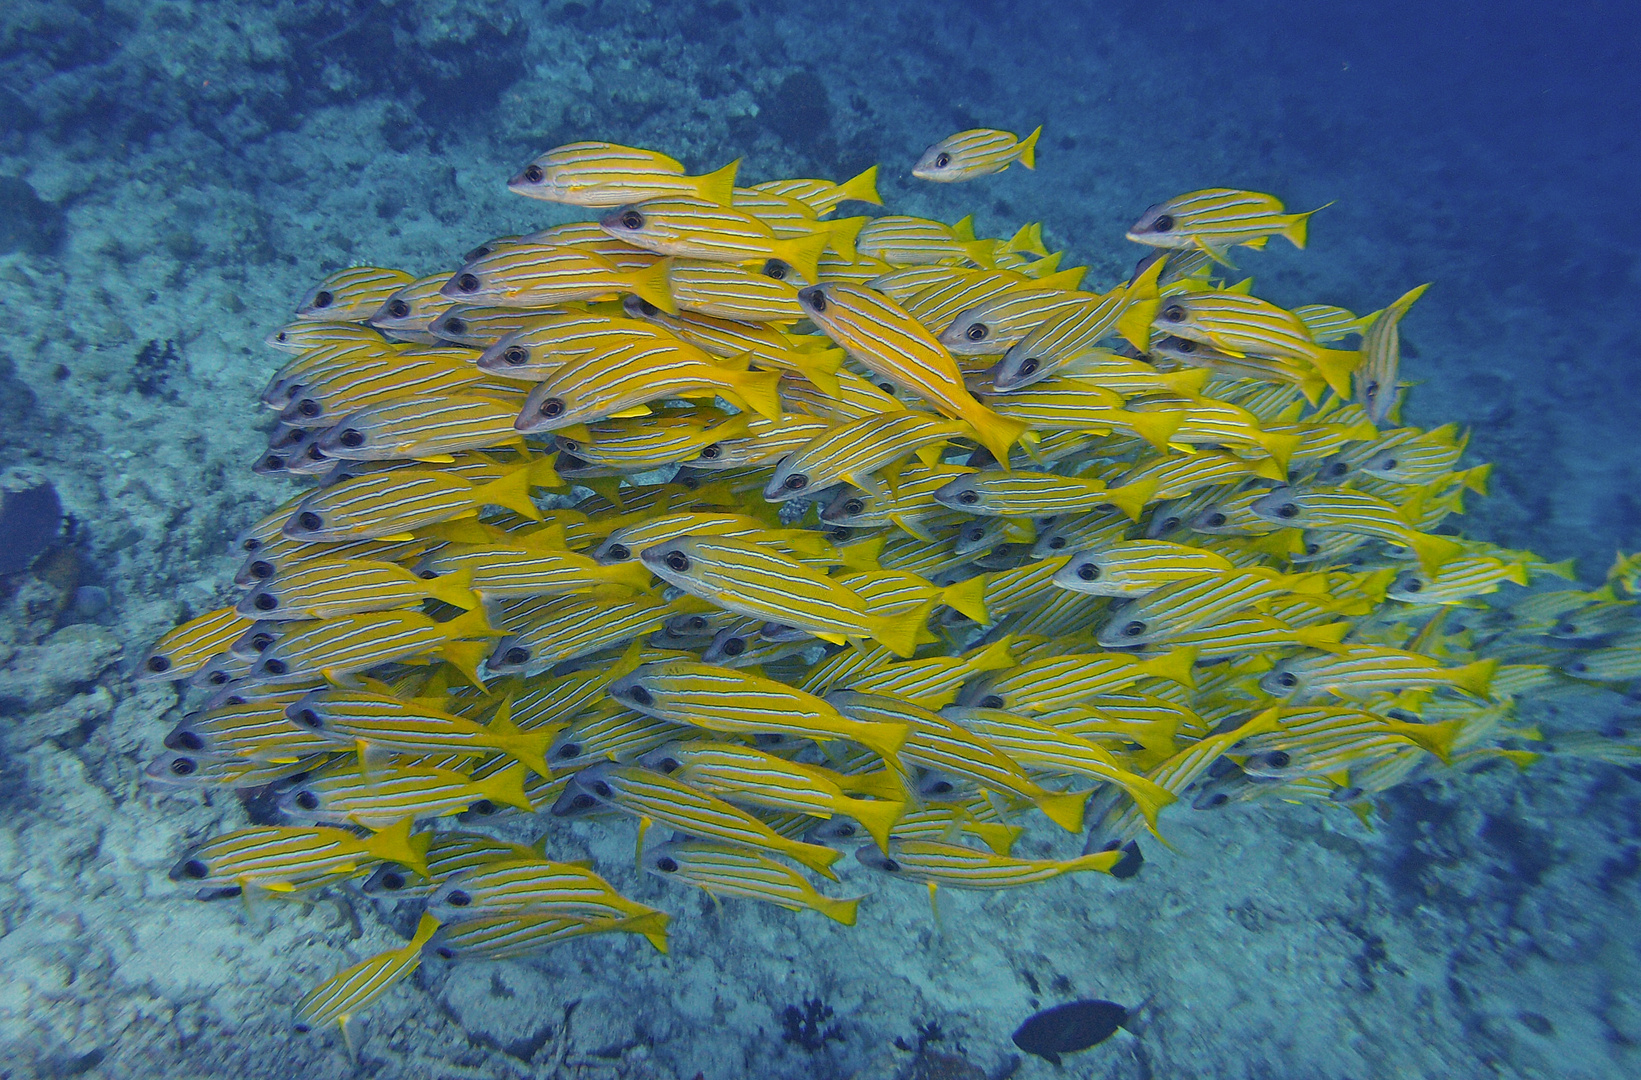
{"x": 157, "y": 664}
{"x": 640, "y": 696}
{"x": 393, "y": 881}
{"x": 1578, "y": 666}
{"x": 265, "y": 602}
{"x": 1133, "y": 629}
{"x": 185, "y": 740}
{"x": 1218, "y": 798}
{"x": 445, "y": 952}
{"x": 1174, "y": 313}
{"x": 458, "y": 898}
{"x": 261, "y": 640}
{"x": 796, "y": 482}
{"x": 890, "y": 865}
{"x": 456, "y": 326}
{"x": 351, "y": 438}
{"x": 468, "y": 283}
{"x": 516, "y": 655}
{"x": 697, "y": 622}
{"x": 1215, "y": 519}
{"x": 275, "y": 666}
{"x": 735, "y": 646}
{"x": 817, "y": 300}
{"x": 1287, "y": 510}
{"x": 1278, "y": 759}
{"x": 677, "y": 561}
{"x": 666, "y": 865}
{"x": 1338, "y": 468}
{"x": 1089, "y": 571}
{"x": 1371, "y": 389}
{"x": 601, "y": 789}
{"x": 483, "y": 807}
{"x": 569, "y": 750}
{"x": 1287, "y": 679}
{"x": 853, "y": 507}
{"x": 991, "y": 701}
{"x": 1390, "y": 463}
{"x": 1413, "y": 585}
{"x": 309, "y": 718}
{"x": 534, "y": 175}
{"x": 1164, "y": 223}
{"x": 552, "y": 407}
{"x": 668, "y": 765}
{"x": 307, "y": 800}
{"x": 309, "y": 520}
{"x": 1055, "y": 543}
{"x": 260, "y": 569}
{"x": 1169, "y": 524}
{"x": 273, "y": 462}
{"x": 632, "y": 219}
{"x": 942, "y": 160}
{"x": 308, "y": 408}
{"x": 569, "y": 444}
{"x": 838, "y": 535}
{"x": 1313, "y": 549}
{"x": 968, "y": 498}
{"x": 971, "y": 535}
{"x": 515, "y": 355}
{"x": 217, "y": 678}
{"x": 940, "y": 787}
{"x": 183, "y": 766}
{"x": 398, "y": 308}
{"x": 1030, "y": 366}
{"x": 619, "y": 552}
{"x": 322, "y": 298}
{"x": 195, "y": 869}
{"x": 776, "y": 269}
{"x": 977, "y": 332}
{"x": 711, "y": 452}
{"x": 583, "y": 802}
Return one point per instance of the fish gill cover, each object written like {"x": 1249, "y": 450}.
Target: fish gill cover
{"x": 770, "y": 535}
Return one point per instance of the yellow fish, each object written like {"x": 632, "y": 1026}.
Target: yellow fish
{"x": 978, "y": 152}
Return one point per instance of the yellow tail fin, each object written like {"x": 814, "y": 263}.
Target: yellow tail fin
{"x": 760, "y": 392}
{"x": 1027, "y": 154}
{"x": 511, "y": 491}
{"x": 1298, "y": 226}
{"x": 803, "y": 252}
{"x": 1101, "y": 861}
{"x": 841, "y": 235}
{"x": 969, "y": 597}
{"x": 1336, "y": 365}
{"x": 396, "y": 844}
{"x": 1065, "y": 809}
{"x": 719, "y": 187}
{"x": 507, "y": 788}
{"x": 1475, "y": 678}
{"x": 862, "y": 188}
{"x": 900, "y": 633}
{"x": 1175, "y": 665}
{"x": 1132, "y": 498}
{"x": 996, "y": 433}
{"x": 654, "y": 284}
{"x": 817, "y": 858}
{"x": 877, "y": 818}
{"x": 1155, "y": 428}
{"x": 842, "y": 911}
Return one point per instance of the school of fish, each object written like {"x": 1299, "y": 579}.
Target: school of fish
{"x": 786, "y": 535}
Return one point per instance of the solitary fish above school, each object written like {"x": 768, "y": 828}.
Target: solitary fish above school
{"x": 1218, "y": 219}
{"x": 979, "y": 152}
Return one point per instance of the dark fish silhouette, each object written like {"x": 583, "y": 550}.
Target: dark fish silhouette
{"x": 1076, "y": 1025}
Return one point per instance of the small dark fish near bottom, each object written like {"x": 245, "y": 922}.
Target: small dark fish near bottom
{"x": 1076, "y": 1025}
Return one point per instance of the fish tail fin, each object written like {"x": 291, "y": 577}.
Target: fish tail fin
{"x": 981, "y": 252}
{"x": 651, "y": 926}
{"x": 994, "y": 657}
{"x": 1149, "y": 797}
{"x": 512, "y": 491}
{"x": 1564, "y": 569}
{"x": 1436, "y": 738}
{"x": 1028, "y": 238}
{"x": 507, "y": 787}
{"x": 884, "y": 740}
{"x": 900, "y": 633}
{"x": 1280, "y": 446}
{"x": 1175, "y": 665}
{"x": 996, "y": 432}
{"x": 1028, "y": 148}
{"x": 1297, "y": 229}
{"x": 1131, "y": 499}
{"x": 1434, "y": 552}
{"x": 1065, "y": 809}
{"x": 862, "y": 188}
{"x": 1000, "y": 838}
{"x": 396, "y": 844}
{"x": 465, "y": 657}
{"x": 861, "y": 556}
{"x": 654, "y": 284}
{"x": 815, "y": 856}
{"x": 877, "y": 818}
{"x": 841, "y": 234}
{"x": 529, "y": 747}
{"x": 842, "y": 911}
{"x": 883, "y": 783}
{"x": 1322, "y": 637}
{"x": 1475, "y": 678}
{"x": 969, "y": 597}
{"x": 1156, "y": 428}
{"x": 803, "y": 252}
{"x": 760, "y": 392}
{"x": 633, "y": 574}
{"x": 470, "y": 624}
{"x": 1134, "y": 324}
{"x": 1475, "y": 478}
{"x": 1100, "y": 861}
{"x": 1068, "y": 279}
{"x": 455, "y": 589}
{"x": 718, "y": 186}
{"x": 1336, "y": 366}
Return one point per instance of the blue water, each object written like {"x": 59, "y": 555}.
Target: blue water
{"x": 174, "y": 175}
